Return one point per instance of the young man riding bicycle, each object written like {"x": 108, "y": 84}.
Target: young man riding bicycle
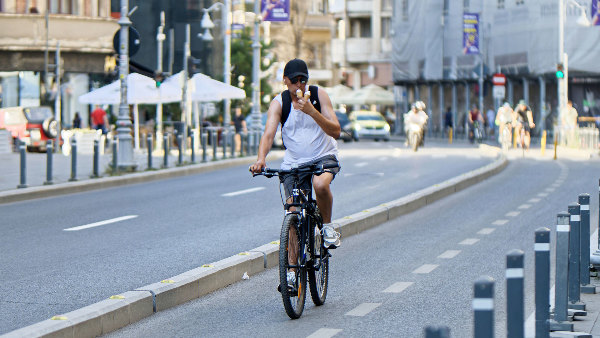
{"x": 524, "y": 123}
{"x": 308, "y": 136}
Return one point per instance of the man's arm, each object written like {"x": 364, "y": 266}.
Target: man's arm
{"x": 530, "y": 118}
{"x": 327, "y": 119}
{"x": 266, "y": 142}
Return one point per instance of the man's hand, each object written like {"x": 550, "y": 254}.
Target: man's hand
{"x": 257, "y": 167}
{"x": 304, "y": 105}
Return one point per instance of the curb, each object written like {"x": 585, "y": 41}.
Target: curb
{"x": 114, "y": 181}
{"x": 131, "y": 306}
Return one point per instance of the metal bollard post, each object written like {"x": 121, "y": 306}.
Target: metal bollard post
{"x": 49, "y": 154}
{"x": 96, "y": 161}
{"x": 166, "y": 150}
{"x": 584, "y": 211}
{"x": 204, "y": 140}
{"x": 542, "y": 282}
{"x": 150, "y": 147}
{"x": 515, "y": 309}
{"x": 249, "y": 152}
{"x": 256, "y": 139}
{"x": 242, "y": 144}
{"x": 73, "y": 161}
{"x": 225, "y": 137}
{"x": 483, "y": 307}
{"x": 232, "y": 138}
{"x": 574, "y": 258}
{"x": 437, "y": 332}
{"x": 559, "y": 323}
{"x": 595, "y": 257}
{"x": 179, "y": 139}
{"x": 193, "y": 142}
{"x": 115, "y": 149}
{"x": 23, "y": 169}
{"x": 214, "y": 144}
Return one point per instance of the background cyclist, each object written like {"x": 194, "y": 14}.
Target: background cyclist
{"x": 309, "y": 137}
{"x": 474, "y": 115}
{"x": 524, "y": 122}
{"x": 504, "y": 119}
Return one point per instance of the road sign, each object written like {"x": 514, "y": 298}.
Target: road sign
{"x": 499, "y": 79}
{"x": 499, "y": 92}
{"x": 134, "y": 41}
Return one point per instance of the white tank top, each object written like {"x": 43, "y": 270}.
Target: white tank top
{"x": 304, "y": 139}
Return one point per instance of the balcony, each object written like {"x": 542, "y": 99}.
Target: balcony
{"x": 359, "y": 50}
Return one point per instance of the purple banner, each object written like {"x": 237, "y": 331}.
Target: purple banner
{"x": 275, "y": 10}
{"x": 470, "y": 33}
{"x": 595, "y": 14}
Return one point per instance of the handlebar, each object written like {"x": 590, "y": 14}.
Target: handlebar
{"x": 312, "y": 169}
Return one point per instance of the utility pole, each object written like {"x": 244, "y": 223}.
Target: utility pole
{"x": 160, "y": 37}
{"x": 562, "y": 87}
{"x": 184, "y": 93}
{"x": 57, "y": 106}
{"x": 125, "y": 154}
{"x": 227, "y": 58}
{"x": 256, "y": 68}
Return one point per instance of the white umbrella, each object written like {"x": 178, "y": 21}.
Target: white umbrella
{"x": 370, "y": 94}
{"x": 203, "y": 88}
{"x": 337, "y": 91}
{"x": 140, "y": 89}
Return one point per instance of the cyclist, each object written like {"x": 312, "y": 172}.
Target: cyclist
{"x": 473, "y": 116}
{"x": 524, "y": 122}
{"x": 309, "y": 135}
{"x": 504, "y": 119}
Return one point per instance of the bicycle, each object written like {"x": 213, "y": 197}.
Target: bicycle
{"x": 312, "y": 256}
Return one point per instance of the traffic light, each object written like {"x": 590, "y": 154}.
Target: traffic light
{"x": 560, "y": 72}
{"x": 159, "y": 78}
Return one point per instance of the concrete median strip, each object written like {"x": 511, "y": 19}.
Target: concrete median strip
{"x": 112, "y": 314}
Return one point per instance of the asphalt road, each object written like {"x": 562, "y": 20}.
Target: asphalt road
{"x": 437, "y": 253}
{"x": 160, "y": 229}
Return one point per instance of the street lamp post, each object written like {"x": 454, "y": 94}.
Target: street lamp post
{"x": 256, "y": 68}
{"x": 125, "y": 154}
{"x": 160, "y": 37}
{"x": 226, "y": 28}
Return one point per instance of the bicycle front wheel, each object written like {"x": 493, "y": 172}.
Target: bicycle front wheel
{"x": 318, "y": 272}
{"x": 294, "y": 295}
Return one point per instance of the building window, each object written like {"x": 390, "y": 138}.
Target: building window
{"x": 387, "y": 5}
{"x": 500, "y": 4}
{"x": 519, "y": 2}
{"x": 446, "y": 5}
{"x": 404, "y": 10}
{"x": 386, "y": 27}
{"x": 360, "y": 27}
{"x": 466, "y": 5}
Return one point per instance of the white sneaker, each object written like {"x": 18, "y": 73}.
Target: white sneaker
{"x": 331, "y": 238}
{"x": 291, "y": 279}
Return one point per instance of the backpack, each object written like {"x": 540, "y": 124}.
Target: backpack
{"x": 286, "y": 100}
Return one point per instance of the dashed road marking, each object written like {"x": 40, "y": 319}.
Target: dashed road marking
{"x": 542, "y": 194}
{"x": 361, "y": 164}
{"x": 513, "y": 213}
{"x": 549, "y": 189}
{"x": 97, "y": 224}
{"x": 524, "y": 206}
{"x": 500, "y": 222}
{"x": 363, "y": 309}
{"x": 469, "y": 241}
{"x": 486, "y": 231}
{"x": 325, "y": 333}
{"x": 439, "y": 155}
{"x": 241, "y": 192}
{"x": 448, "y": 254}
{"x": 398, "y": 287}
{"x": 534, "y": 200}
{"x": 425, "y": 268}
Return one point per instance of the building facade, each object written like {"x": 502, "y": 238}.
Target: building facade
{"x": 31, "y": 31}
{"x": 518, "y": 38}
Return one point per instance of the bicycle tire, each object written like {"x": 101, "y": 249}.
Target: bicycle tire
{"x": 318, "y": 272}
{"x": 293, "y": 299}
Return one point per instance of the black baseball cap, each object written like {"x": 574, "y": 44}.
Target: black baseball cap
{"x": 295, "y": 68}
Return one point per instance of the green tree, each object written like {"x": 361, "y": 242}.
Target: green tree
{"x": 241, "y": 61}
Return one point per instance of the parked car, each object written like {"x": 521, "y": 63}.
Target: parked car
{"x": 346, "y": 125}
{"x": 32, "y": 125}
{"x": 370, "y": 125}
{"x": 277, "y": 142}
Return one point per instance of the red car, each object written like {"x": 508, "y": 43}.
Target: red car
{"x": 32, "y": 125}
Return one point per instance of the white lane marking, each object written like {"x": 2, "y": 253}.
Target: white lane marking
{"x": 325, "y": 333}
{"x": 469, "y": 241}
{"x": 524, "y": 206}
{"x": 398, "y": 287}
{"x": 97, "y": 224}
{"x": 549, "y": 189}
{"x": 241, "y": 192}
{"x": 439, "y": 155}
{"x": 486, "y": 231}
{"x": 500, "y": 222}
{"x": 361, "y": 164}
{"x": 534, "y": 200}
{"x": 513, "y": 213}
{"x": 384, "y": 158}
{"x": 426, "y": 268}
{"x": 542, "y": 194}
{"x": 363, "y": 309}
{"x": 448, "y": 254}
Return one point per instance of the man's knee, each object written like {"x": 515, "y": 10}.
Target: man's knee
{"x": 321, "y": 184}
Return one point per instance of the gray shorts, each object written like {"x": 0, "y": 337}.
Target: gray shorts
{"x": 306, "y": 178}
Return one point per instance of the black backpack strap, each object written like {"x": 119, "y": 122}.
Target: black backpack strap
{"x": 286, "y": 99}
{"x": 314, "y": 97}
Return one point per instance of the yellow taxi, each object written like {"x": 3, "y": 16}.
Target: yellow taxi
{"x": 369, "y": 125}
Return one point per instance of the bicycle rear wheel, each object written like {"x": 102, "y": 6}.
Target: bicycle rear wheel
{"x": 318, "y": 271}
{"x": 293, "y": 297}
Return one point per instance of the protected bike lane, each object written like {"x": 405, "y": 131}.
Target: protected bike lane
{"x": 128, "y": 307}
